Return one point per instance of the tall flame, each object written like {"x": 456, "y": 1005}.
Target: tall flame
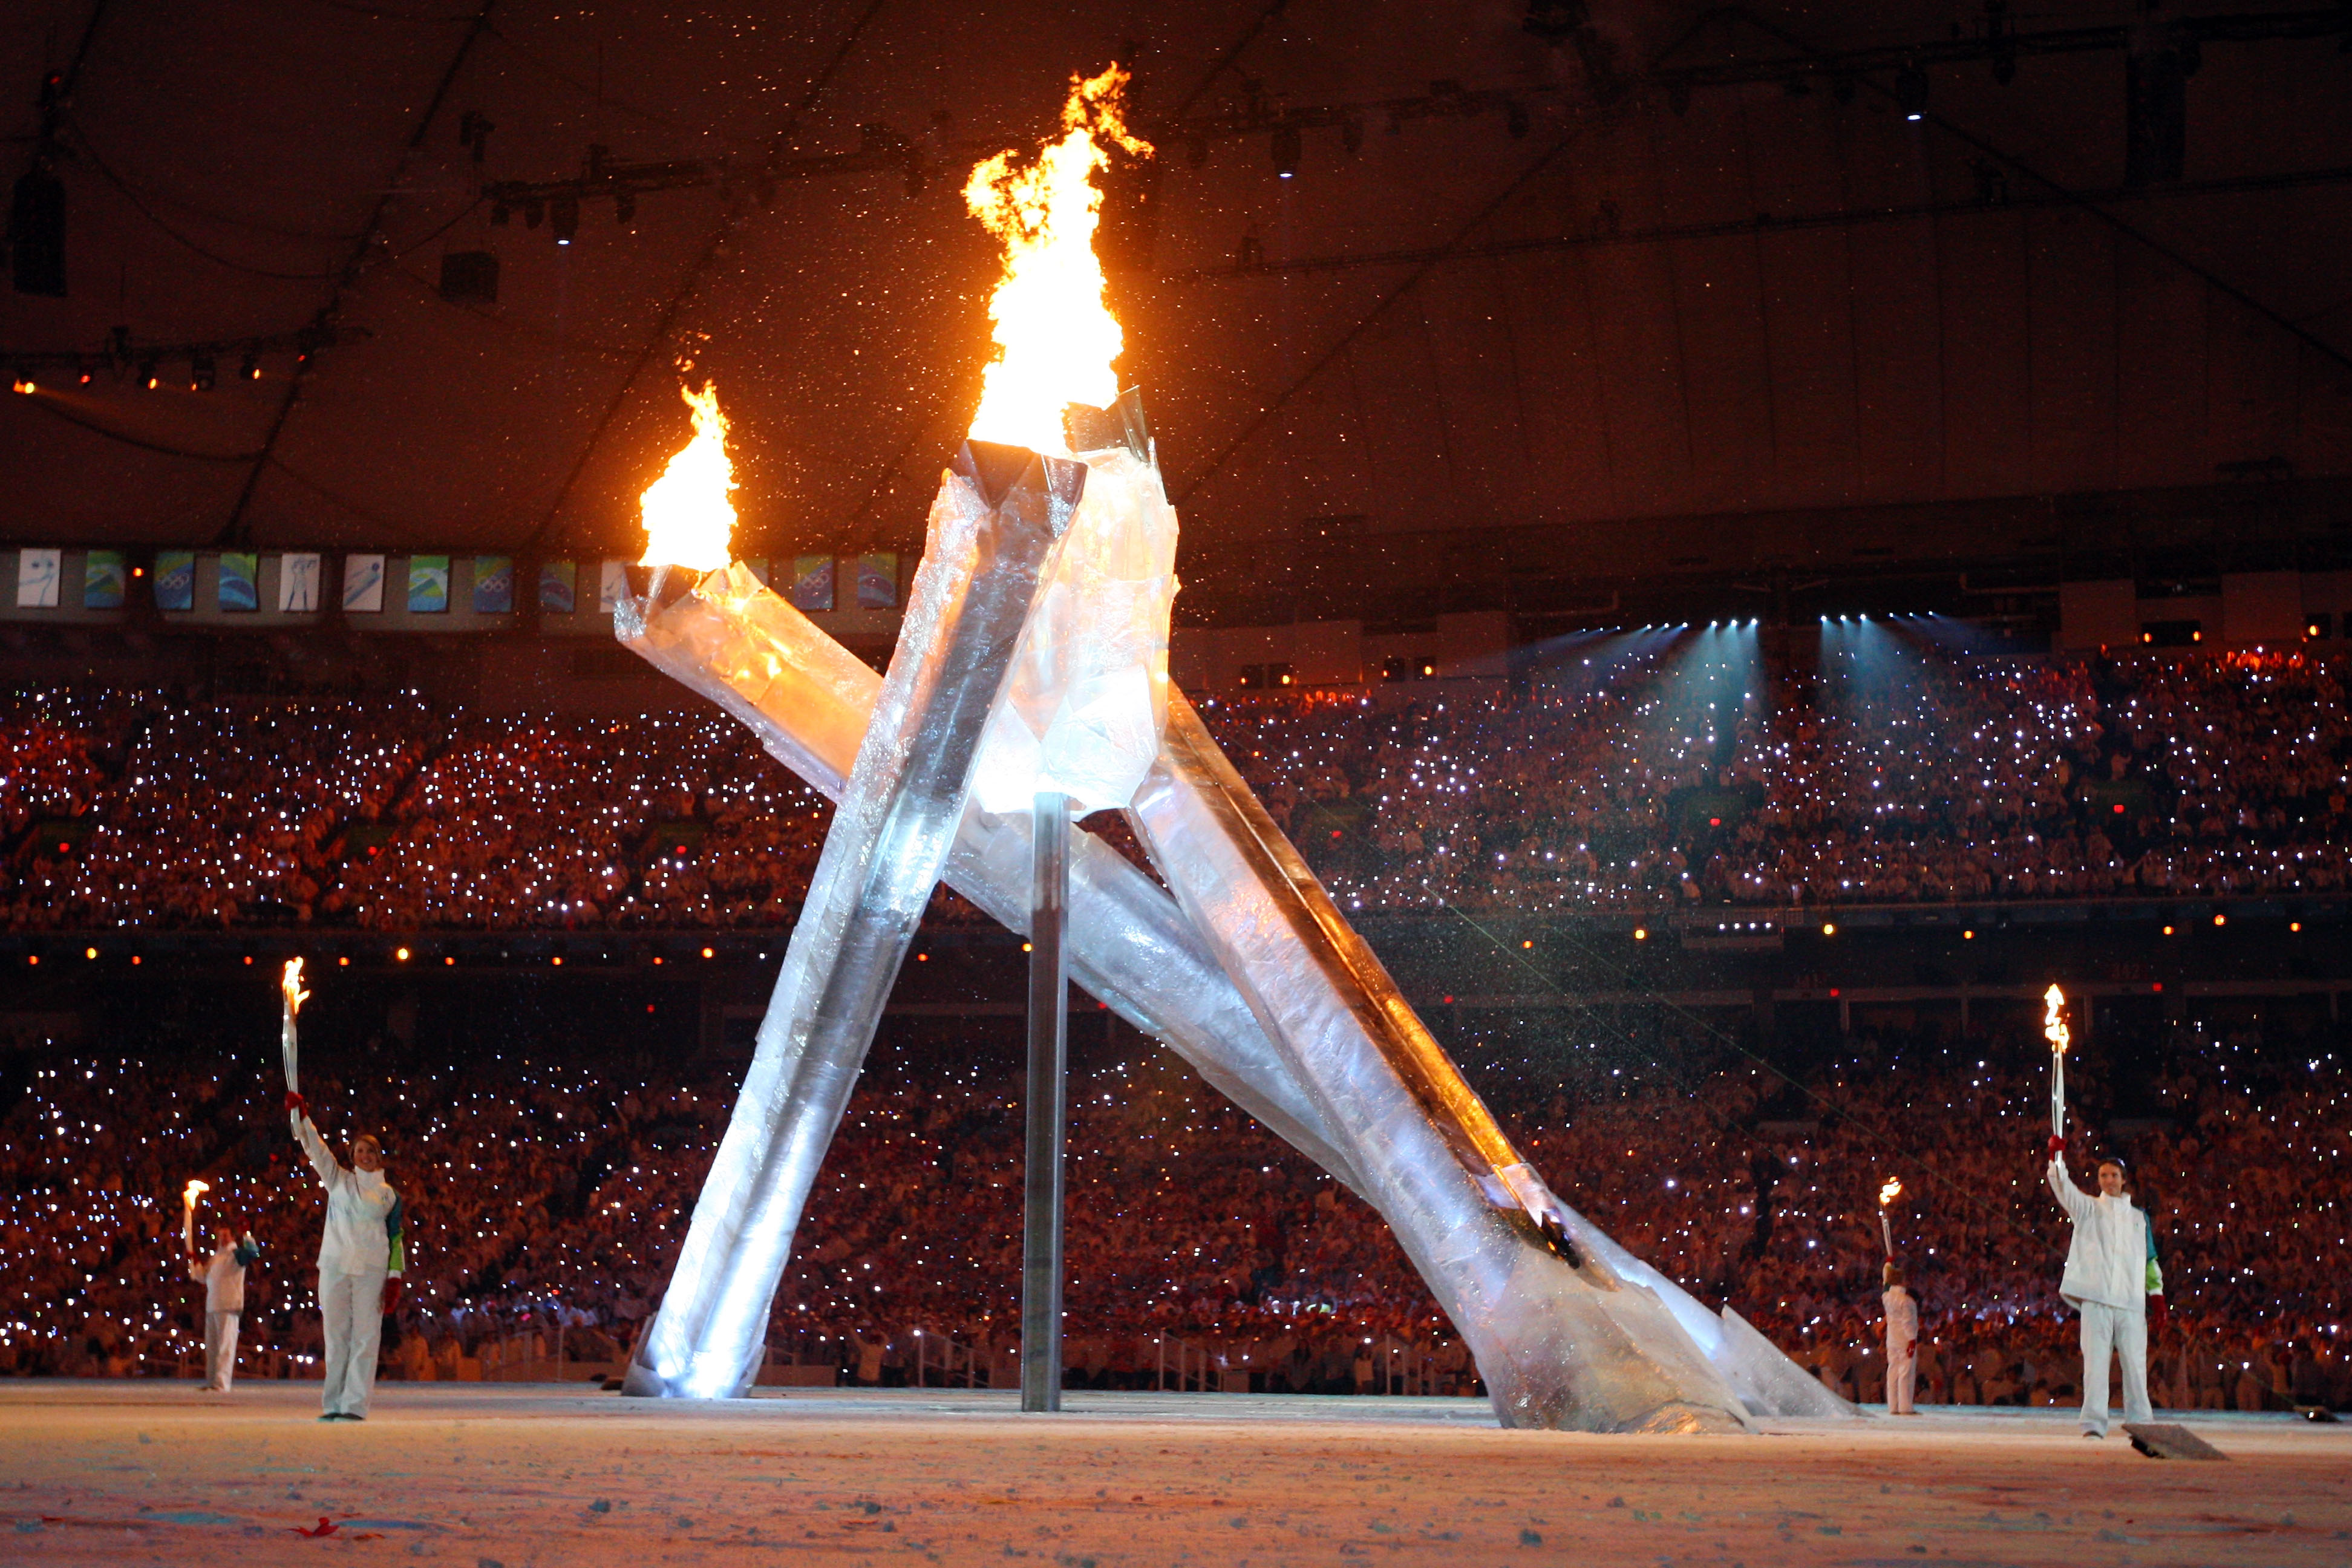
{"x": 290, "y": 985}
{"x": 1055, "y": 339}
{"x": 1890, "y": 1191}
{"x": 188, "y": 1194}
{"x": 2053, "y": 1021}
{"x": 689, "y": 519}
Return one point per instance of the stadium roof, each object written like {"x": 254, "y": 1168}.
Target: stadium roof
{"x": 1537, "y": 267}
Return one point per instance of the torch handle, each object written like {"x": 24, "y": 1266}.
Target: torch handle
{"x": 288, "y": 1048}
{"x": 2057, "y": 1094}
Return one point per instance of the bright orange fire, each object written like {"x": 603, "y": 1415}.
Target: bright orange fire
{"x": 1889, "y": 1191}
{"x": 290, "y": 985}
{"x": 689, "y": 519}
{"x": 2053, "y": 1021}
{"x": 1056, "y": 338}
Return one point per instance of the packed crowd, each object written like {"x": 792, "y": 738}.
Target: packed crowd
{"x": 1652, "y": 773}
{"x": 546, "y": 1204}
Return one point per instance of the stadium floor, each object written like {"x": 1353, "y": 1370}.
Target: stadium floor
{"x": 514, "y": 1475}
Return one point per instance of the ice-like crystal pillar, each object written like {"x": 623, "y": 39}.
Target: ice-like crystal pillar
{"x": 1561, "y": 1340}
{"x": 808, "y": 698}
{"x": 998, "y": 513}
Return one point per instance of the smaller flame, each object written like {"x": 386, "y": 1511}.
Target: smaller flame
{"x": 290, "y": 985}
{"x": 189, "y": 1194}
{"x": 690, "y": 521}
{"x": 2053, "y": 1021}
{"x": 1889, "y": 1191}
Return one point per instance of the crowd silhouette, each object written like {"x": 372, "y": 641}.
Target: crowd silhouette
{"x": 1646, "y": 776}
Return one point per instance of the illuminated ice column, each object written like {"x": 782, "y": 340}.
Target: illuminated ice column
{"x": 993, "y": 525}
{"x": 1561, "y": 1338}
{"x": 808, "y": 698}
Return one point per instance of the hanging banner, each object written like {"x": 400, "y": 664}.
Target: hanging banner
{"x": 493, "y": 584}
{"x": 812, "y": 582}
{"x": 37, "y": 578}
{"x": 297, "y": 583}
{"x": 175, "y": 579}
{"x": 877, "y": 580}
{"x": 428, "y": 585}
{"x": 238, "y": 580}
{"x": 103, "y": 580}
{"x": 364, "y": 584}
{"x": 558, "y": 586}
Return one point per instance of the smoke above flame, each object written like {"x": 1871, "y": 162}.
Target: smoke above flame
{"x": 1056, "y": 338}
{"x": 689, "y": 520}
{"x": 2053, "y": 1021}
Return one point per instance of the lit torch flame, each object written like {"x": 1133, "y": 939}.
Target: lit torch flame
{"x": 2053, "y": 1021}
{"x": 1055, "y": 339}
{"x": 1889, "y": 1191}
{"x": 689, "y": 519}
{"x": 189, "y": 1193}
{"x": 290, "y": 985}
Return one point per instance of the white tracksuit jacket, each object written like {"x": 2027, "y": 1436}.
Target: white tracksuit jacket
{"x": 2112, "y": 1258}
{"x": 364, "y": 1216}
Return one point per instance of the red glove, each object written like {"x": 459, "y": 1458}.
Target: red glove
{"x": 294, "y": 1101}
{"x": 391, "y": 1295}
{"x": 2057, "y": 1145}
{"x": 2158, "y": 1313}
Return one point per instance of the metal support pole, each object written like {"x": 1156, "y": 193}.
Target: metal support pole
{"x": 1049, "y": 1055}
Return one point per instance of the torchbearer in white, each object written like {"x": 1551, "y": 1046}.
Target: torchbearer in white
{"x": 2112, "y": 1277}
{"x": 223, "y": 1278}
{"x": 1902, "y": 1315}
{"x": 362, "y": 1252}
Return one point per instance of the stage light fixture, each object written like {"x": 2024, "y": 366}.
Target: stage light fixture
{"x": 1288, "y": 149}
{"x": 249, "y": 367}
{"x": 400, "y": 954}
{"x": 151, "y": 375}
{"x": 564, "y": 219}
{"x": 1911, "y": 91}
{"x": 203, "y": 374}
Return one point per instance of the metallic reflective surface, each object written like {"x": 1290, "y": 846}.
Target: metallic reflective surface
{"x": 996, "y": 518}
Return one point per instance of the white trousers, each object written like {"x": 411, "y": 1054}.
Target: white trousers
{"x": 1902, "y": 1380}
{"x": 352, "y": 1305}
{"x": 220, "y": 1349}
{"x": 2124, "y": 1333}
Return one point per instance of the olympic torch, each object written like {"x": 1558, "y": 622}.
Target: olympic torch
{"x": 188, "y": 1195}
{"x": 2054, "y": 1030}
{"x": 289, "y": 985}
{"x": 1888, "y": 1192}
